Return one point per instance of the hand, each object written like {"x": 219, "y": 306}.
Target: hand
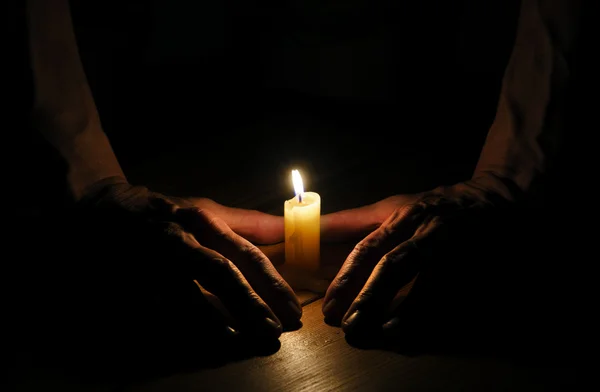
{"x": 205, "y": 241}
{"x": 405, "y": 232}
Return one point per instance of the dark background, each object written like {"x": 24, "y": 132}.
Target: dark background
{"x": 244, "y": 89}
{"x": 199, "y": 98}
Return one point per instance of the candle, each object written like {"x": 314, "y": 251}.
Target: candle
{"x": 302, "y": 227}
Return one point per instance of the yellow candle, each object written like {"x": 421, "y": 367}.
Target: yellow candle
{"x": 302, "y": 216}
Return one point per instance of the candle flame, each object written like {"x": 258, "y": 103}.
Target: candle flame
{"x": 298, "y": 186}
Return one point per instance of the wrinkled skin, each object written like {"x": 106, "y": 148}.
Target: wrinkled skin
{"x": 212, "y": 245}
{"x": 405, "y": 231}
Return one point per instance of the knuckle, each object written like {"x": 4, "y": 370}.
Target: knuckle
{"x": 279, "y": 286}
{"x": 388, "y": 230}
{"x": 195, "y": 210}
{"x": 407, "y": 214}
{"x": 253, "y": 253}
{"x": 397, "y": 257}
{"x": 412, "y": 211}
{"x": 220, "y": 266}
{"x": 209, "y": 220}
{"x": 431, "y": 204}
{"x": 222, "y": 236}
{"x": 256, "y": 299}
{"x": 385, "y": 261}
{"x": 408, "y": 246}
{"x": 172, "y": 229}
{"x": 200, "y": 212}
{"x": 334, "y": 287}
{"x": 216, "y": 223}
{"x": 389, "y": 260}
{"x": 361, "y": 249}
{"x": 424, "y": 205}
{"x": 248, "y": 252}
{"x": 365, "y": 295}
{"x": 341, "y": 281}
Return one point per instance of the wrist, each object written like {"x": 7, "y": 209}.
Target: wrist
{"x": 495, "y": 186}
{"x": 98, "y": 187}
{"x": 88, "y": 157}
{"x": 486, "y": 188}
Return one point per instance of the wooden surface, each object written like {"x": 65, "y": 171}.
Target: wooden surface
{"x": 318, "y": 358}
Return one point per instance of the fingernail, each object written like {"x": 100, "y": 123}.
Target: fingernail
{"x": 230, "y": 331}
{"x": 350, "y": 323}
{"x": 296, "y": 308}
{"x": 391, "y": 324}
{"x": 273, "y": 325}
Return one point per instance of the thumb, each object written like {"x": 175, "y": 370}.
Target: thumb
{"x": 257, "y": 227}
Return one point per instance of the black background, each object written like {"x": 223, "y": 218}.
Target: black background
{"x": 197, "y": 95}
{"x": 256, "y": 88}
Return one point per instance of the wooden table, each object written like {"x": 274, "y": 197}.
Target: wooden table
{"x": 318, "y": 358}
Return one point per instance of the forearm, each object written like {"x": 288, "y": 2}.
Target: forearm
{"x": 64, "y": 109}
{"x": 525, "y": 135}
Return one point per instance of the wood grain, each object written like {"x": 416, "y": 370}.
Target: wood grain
{"x": 318, "y": 358}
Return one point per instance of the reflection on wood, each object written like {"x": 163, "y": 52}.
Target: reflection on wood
{"x": 310, "y": 286}
{"x": 317, "y": 357}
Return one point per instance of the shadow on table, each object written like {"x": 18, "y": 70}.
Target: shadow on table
{"x": 510, "y": 287}
{"x": 95, "y": 356}
{"x": 92, "y": 299}
{"x": 102, "y": 305}
{"x": 430, "y": 330}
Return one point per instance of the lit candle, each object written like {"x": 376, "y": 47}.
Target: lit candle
{"x": 302, "y": 216}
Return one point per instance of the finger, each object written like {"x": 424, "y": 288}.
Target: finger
{"x": 358, "y": 222}
{"x": 407, "y": 317}
{"x": 220, "y": 276}
{"x": 254, "y": 265}
{"x": 256, "y": 226}
{"x": 357, "y": 268}
{"x": 188, "y": 317}
{"x": 396, "y": 269}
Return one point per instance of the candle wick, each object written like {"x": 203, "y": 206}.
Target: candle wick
{"x": 300, "y": 197}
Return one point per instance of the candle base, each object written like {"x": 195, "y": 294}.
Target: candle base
{"x": 301, "y": 279}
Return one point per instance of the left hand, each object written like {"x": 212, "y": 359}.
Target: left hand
{"x": 405, "y": 230}
{"x": 193, "y": 239}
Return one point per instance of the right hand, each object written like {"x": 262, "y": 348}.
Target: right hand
{"x": 196, "y": 239}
